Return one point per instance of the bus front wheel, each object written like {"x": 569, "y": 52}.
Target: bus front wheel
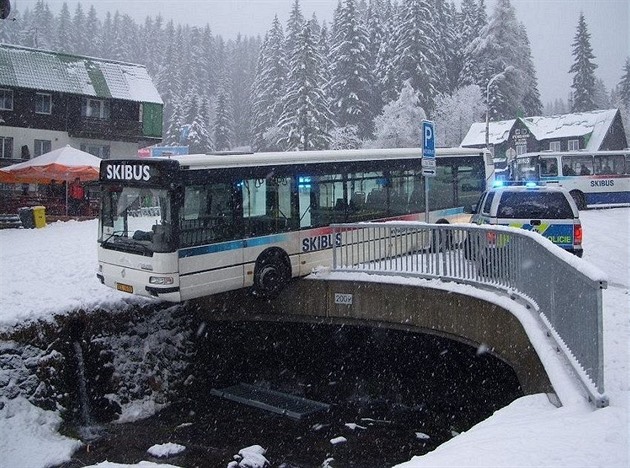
{"x": 271, "y": 274}
{"x": 578, "y": 198}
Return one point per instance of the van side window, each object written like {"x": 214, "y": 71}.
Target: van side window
{"x": 487, "y": 203}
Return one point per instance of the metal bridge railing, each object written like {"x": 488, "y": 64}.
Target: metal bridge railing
{"x": 520, "y": 263}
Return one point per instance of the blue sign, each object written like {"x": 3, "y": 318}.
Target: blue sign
{"x": 168, "y": 150}
{"x": 428, "y": 140}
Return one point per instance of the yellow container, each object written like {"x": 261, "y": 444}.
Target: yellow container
{"x": 39, "y": 215}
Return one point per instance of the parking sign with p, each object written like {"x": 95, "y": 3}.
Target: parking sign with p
{"x": 428, "y": 148}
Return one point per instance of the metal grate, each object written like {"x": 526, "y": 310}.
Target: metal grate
{"x": 277, "y": 402}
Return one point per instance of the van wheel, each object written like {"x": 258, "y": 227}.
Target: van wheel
{"x": 271, "y": 273}
{"x": 578, "y": 198}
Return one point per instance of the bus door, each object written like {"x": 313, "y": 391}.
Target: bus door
{"x": 209, "y": 235}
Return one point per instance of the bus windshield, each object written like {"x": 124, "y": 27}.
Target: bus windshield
{"x": 136, "y": 220}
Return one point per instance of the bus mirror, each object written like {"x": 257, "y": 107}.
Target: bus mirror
{"x": 470, "y": 209}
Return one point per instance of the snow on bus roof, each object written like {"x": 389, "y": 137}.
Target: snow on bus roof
{"x": 199, "y": 161}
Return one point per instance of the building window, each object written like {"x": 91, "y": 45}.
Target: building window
{"x": 102, "y": 151}
{"x": 41, "y": 147}
{"x": 554, "y": 145}
{"x": 521, "y": 149}
{"x": 6, "y": 147}
{"x": 6, "y": 99}
{"x": 95, "y": 108}
{"x": 43, "y": 103}
{"x": 573, "y": 145}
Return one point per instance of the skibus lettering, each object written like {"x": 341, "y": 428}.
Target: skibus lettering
{"x": 320, "y": 242}
{"x": 127, "y": 172}
{"x": 602, "y": 183}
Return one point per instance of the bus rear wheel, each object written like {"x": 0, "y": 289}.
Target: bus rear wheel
{"x": 271, "y": 274}
{"x": 578, "y": 198}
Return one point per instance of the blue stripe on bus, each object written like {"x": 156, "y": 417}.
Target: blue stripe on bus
{"x": 449, "y": 211}
{"x": 272, "y": 239}
{"x": 604, "y": 198}
{"x": 232, "y": 245}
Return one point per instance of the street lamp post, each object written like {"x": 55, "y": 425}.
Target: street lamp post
{"x": 492, "y": 80}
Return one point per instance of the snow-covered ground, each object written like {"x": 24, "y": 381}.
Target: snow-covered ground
{"x": 49, "y": 271}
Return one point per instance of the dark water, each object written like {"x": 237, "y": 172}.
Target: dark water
{"x": 393, "y": 384}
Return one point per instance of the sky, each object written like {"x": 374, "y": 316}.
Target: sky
{"x": 551, "y": 27}
{"x": 530, "y": 432}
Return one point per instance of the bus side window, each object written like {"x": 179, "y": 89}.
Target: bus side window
{"x": 548, "y": 168}
{"x": 609, "y": 164}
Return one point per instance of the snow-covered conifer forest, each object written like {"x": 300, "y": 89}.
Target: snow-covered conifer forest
{"x": 311, "y": 85}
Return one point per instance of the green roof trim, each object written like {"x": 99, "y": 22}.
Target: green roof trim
{"x": 98, "y": 80}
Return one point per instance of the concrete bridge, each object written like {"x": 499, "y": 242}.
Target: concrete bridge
{"x": 459, "y": 317}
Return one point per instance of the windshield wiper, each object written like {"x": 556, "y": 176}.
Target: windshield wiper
{"x": 127, "y": 244}
{"x": 115, "y": 233}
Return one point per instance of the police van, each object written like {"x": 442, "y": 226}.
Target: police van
{"x": 550, "y": 211}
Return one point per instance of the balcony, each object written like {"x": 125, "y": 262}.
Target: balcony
{"x": 101, "y": 129}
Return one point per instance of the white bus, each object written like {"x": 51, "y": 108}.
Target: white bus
{"x": 594, "y": 178}
{"x": 190, "y": 226}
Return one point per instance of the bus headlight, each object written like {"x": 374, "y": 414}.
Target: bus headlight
{"x": 161, "y": 280}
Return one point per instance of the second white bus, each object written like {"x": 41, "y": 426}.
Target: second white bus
{"x": 595, "y": 179}
{"x": 190, "y": 226}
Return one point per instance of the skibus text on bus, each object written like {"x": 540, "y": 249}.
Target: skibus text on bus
{"x": 190, "y": 226}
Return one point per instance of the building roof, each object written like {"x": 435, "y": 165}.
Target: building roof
{"x": 44, "y": 70}
{"x": 595, "y": 123}
{"x": 498, "y": 132}
{"x": 580, "y": 124}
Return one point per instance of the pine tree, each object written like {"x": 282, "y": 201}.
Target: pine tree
{"x": 601, "y": 97}
{"x": 241, "y": 69}
{"x": 448, "y": 65}
{"x": 295, "y": 26}
{"x": 198, "y": 135}
{"x": 376, "y": 36}
{"x": 387, "y": 77}
{"x": 471, "y": 22}
{"x": 63, "y": 37}
{"x": 172, "y": 135}
{"x": 583, "y": 69}
{"x": 80, "y": 40}
{"x": 222, "y": 128}
{"x": 417, "y": 58}
{"x": 498, "y": 50}
{"x": 268, "y": 87}
{"x": 39, "y": 26}
{"x": 623, "y": 98}
{"x": 306, "y": 119}
{"x": 531, "y": 103}
{"x": 351, "y": 80}
{"x": 107, "y": 36}
{"x": 624, "y": 86}
{"x": 93, "y": 31}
